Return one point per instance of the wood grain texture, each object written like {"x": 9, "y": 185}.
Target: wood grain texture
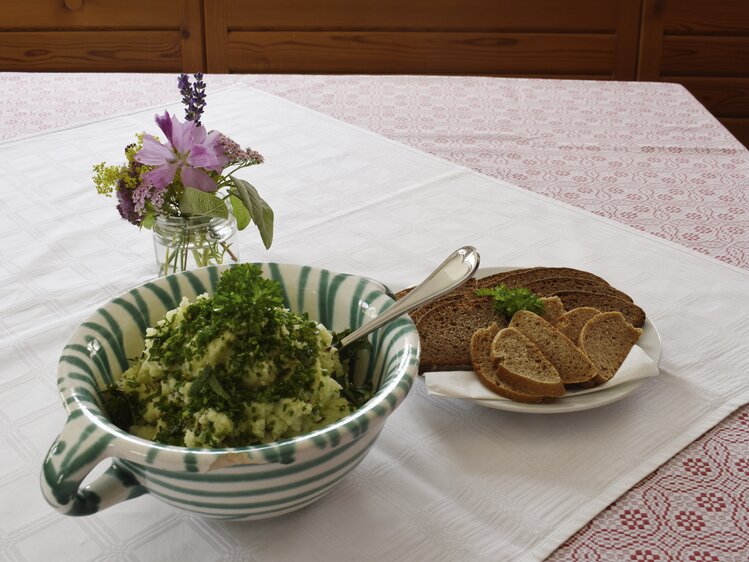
{"x": 216, "y": 36}
{"x": 597, "y": 16}
{"x": 705, "y": 56}
{"x": 83, "y": 51}
{"x": 739, "y": 127}
{"x": 705, "y": 17}
{"x": 627, "y": 39}
{"x": 192, "y": 38}
{"x": 724, "y": 97}
{"x": 651, "y": 41}
{"x": 421, "y": 53}
{"x": 53, "y": 14}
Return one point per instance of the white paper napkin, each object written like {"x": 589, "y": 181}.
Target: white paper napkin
{"x": 465, "y": 384}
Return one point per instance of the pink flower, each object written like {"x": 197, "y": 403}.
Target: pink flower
{"x": 191, "y": 151}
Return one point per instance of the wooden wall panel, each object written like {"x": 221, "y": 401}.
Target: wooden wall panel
{"x": 54, "y": 14}
{"x": 106, "y": 51}
{"x": 724, "y": 96}
{"x": 705, "y": 17}
{"x": 593, "y": 16}
{"x": 739, "y": 127}
{"x": 596, "y": 39}
{"x": 421, "y": 53}
{"x": 704, "y": 46}
{"x": 705, "y": 56}
{"x": 102, "y": 35}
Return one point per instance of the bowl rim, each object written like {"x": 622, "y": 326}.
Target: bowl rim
{"x": 137, "y": 449}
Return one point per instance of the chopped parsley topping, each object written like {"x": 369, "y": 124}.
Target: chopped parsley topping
{"x": 233, "y": 369}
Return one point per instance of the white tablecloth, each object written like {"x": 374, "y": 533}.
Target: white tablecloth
{"x": 447, "y": 480}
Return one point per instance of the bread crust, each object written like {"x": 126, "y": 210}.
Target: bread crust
{"x": 575, "y": 299}
{"x": 482, "y": 365}
{"x": 573, "y": 365}
{"x": 606, "y": 339}
{"x": 571, "y": 322}
{"x": 517, "y": 277}
{"x": 446, "y": 332}
{"x": 549, "y": 286}
{"x": 518, "y": 362}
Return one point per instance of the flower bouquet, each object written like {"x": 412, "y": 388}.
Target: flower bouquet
{"x": 185, "y": 189}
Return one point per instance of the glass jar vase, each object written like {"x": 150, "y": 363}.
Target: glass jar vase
{"x": 186, "y": 243}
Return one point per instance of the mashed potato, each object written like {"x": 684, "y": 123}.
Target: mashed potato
{"x": 230, "y": 370}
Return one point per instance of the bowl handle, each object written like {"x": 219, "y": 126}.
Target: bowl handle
{"x": 76, "y": 451}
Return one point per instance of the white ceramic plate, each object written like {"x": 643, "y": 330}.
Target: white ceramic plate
{"x": 650, "y": 342}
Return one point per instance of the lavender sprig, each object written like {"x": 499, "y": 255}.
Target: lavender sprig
{"x": 198, "y": 97}
{"x": 193, "y": 96}
{"x": 185, "y": 89}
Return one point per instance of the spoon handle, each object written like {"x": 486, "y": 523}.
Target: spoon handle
{"x": 453, "y": 272}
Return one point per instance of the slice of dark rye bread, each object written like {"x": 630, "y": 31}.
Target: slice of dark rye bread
{"x": 549, "y": 286}
{"x": 570, "y": 323}
{"x": 464, "y": 291}
{"x": 575, "y": 299}
{"x": 572, "y": 364}
{"x": 519, "y": 363}
{"x": 607, "y": 339}
{"x": 482, "y": 365}
{"x": 445, "y": 333}
{"x": 516, "y": 277}
{"x": 547, "y": 280}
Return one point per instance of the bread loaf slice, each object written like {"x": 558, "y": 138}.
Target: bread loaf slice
{"x": 418, "y": 313}
{"x": 606, "y": 339}
{"x": 498, "y": 278}
{"x": 571, "y": 322}
{"x": 553, "y": 309}
{"x": 467, "y": 290}
{"x": 575, "y": 299}
{"x": 481, "y": 361}
{"x": 573, "y": 365}
{"x": 519, "y": 363}
{"x": 519, "y": 277}
{"x": 549, "y": 286}
{"x": 445, "y": 332}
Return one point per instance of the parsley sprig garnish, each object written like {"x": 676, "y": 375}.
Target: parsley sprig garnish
{"x": 508, "y": 301}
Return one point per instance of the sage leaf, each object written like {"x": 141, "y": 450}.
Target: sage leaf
{"x": 200, "y": 381}
{"x": 216, "y": 387}
{"x": 199, "y": 203}
{"x": 240, "y": 212}
{"x": 259, "y": 210}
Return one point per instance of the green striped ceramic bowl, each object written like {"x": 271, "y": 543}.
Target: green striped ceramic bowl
{"x": 251, "y": 482}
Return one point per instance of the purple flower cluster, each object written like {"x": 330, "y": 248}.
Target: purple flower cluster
{"x": 193, "y": 96}
{"x": 236, "y": 153}
{"x": 125, "y": 204}
{"x": 147, "y": 193}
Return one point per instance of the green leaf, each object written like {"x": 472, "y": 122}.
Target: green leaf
{"x": 148, "y": 221}
{"x": 508, "y": 301}
{"x": 216, "y": 387}
{"x": 199, "y": 203}
{"x": 259, "y": 210}
{"x": 240, "y": 212}
{"x": 200, "y": 381}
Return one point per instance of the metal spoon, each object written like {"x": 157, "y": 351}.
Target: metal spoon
{"x": 453, "y": 272}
